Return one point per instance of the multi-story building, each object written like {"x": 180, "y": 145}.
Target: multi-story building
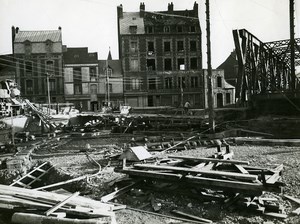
{"x": 81, "y": 78}
{"x": 7, "y": 67}
{"x": 39, "y": 70}
{"x": 161, "y": 57}
{"x": 223, "y": 92}
{"x": 111, "y": 82}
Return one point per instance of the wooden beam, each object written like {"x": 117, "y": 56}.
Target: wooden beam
{"x": 60, "y": 204}
{"x": 192, "y": 216}
{"x": 212, "y": 160}
{"x": 117, "y": 193}
{"x": 296, "y": 200}
{"x": 248, "y": 177}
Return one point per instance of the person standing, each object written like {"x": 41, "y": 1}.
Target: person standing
{"x": 187, "y": 106}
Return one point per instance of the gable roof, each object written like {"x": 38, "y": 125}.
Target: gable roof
{"x": 115, "y": 65}
{"x": 38, "y": 36}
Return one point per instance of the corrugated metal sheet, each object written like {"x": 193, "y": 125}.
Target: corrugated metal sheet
{"x": 38, "y": 36}
{"x": 131, "y": 19}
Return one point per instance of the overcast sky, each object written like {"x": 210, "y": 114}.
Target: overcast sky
{"x": 93, "y": 23}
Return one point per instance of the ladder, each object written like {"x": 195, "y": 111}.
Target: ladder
{"x": 35, "y": 175}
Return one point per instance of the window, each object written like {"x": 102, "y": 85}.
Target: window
{"x": 93, "y": 74}
{"x": 93, "y": 89}
{"x": 109, "y": 72}
{"x": 29, "y": 86}
{"x": 179, "y": 29}
{"x": 28, "y": 68}
{"x": 167, "y": 46}
{"x": 192, "y": 29}
{"x": 194, "y": 82}
{"x": 166, "y": 29}
{"x": 52, "y": 86}
{"x": 134, "y": 65}
{"x": 180, "y": 46}
{"x": 194, "y": 63}
{"x": 48, "y": 46}
{"x": 168, "y": 83}
{"x": 149, "y": 29}
{"x": 219, "y": 82}
{"x": 133, "y": 29}
{"x": 133, "y": 47}
{"x": 49, "y": 67}
{"x": 168, "y": 64}
{"x": 180, "y": 64}
{"x": 135, "y": 84}
{"x": 77, "y": 74}
{"x": 109, "y": 87}
{"x": 228, "y": 98}
{"x": 27, "y": 46}
{"x": 150, "y": 46}
{"x": 150, "y": 64}
{"x": 193, "y": 45}
{"x": 152, "y": 83}
{"x": 77, "y": 89}
{"x": 181, "y": 82}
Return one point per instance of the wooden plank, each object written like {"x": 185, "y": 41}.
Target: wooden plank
{"x": 241, "y": 169}
{"x": 296, "y": 211}
{"x": 117, "y": 193}
{"x": 212, "y": 160}
{"x": 60, "y": 204}
{"x": 296, "y": 200}
{"x": 201, "y": 171}
{"x": 192, "y": 216}
{"x": 276, "y": 215}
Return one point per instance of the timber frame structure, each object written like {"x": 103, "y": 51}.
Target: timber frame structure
{"x": 263, "y": 68}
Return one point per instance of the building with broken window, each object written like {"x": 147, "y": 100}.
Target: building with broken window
{"x": 161, "y": 57}
{"x": 39, "y": 66}
{"x": 81, "y": 78}
{"x": 223, "y": 92}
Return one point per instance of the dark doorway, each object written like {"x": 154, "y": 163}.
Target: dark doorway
{"x": 219, "y": 100}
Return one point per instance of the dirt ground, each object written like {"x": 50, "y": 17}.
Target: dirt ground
{"x": 71, "y": 161}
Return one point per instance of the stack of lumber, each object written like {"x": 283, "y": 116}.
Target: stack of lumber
{"x": 48, "y": 203}
{"x": 217, "y": 172}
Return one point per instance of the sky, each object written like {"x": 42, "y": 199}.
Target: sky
{"x": 93, "y": 23}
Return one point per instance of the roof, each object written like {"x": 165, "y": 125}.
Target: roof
{"x": 228, "y": 86}
{"x": 131, "y": 19}
{"x": 115, "y": 65}
{"x": 38, "y": 36}
{"x": 80, "y": 55}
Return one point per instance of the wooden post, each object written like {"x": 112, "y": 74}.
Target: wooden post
{"x": 209, "y": 73}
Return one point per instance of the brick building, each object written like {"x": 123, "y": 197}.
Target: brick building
{"x": 38, "y": 54}
{"x": 161, "y": 57}
{"x": 81, "y": 78}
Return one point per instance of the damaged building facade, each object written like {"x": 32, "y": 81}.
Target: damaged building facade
{"x": 39, "y": 63}
{"x": 81, "y": 79}
{"x": 161, "y": 57}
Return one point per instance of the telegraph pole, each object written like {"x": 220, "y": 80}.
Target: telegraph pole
{"x": 209, "y": 73}
{"x": 292, "y": 43}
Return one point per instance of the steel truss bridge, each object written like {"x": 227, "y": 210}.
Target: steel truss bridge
{"x": 264, "y": 68}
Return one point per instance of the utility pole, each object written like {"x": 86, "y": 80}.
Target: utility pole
{"x": 292, "y": 43}
{"x": 209, "y": 73}
{"x": 48, "y": 90}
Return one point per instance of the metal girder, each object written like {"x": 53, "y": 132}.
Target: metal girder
{"x": 262, "y": 67}
{"x": 283, "y": 49}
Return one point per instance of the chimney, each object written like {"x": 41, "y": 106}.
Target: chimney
{"x": 59, "y": 28}
{"x": 170, "y": 7}
{"x": 17, "y": 29}
{"x": 142, "y": 9}
{"x": 120, "y": 11}
{"x": 195, "y": 9}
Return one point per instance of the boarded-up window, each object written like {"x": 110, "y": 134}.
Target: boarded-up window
{"x": 134, "y": 65}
